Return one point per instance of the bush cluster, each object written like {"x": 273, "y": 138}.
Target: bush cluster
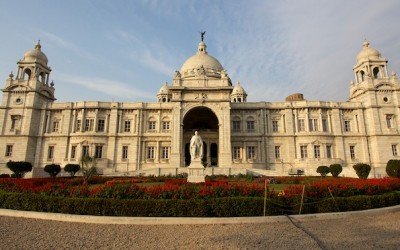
{"x": 323, "y": 170}
{"x": 52, "y": 169}
{"x": 362, "y": 170}
{"x": 393, "y": 168}
{"x": 19, "y": 168}
{"x": 335, "y": 169}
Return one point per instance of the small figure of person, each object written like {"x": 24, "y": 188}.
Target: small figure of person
{"x": 196, "y": 146}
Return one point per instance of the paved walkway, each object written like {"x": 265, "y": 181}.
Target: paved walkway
{"x": 371, "y": 229}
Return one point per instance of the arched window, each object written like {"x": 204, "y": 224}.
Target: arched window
{"x": 376, "y": 73}
{"x": 362, "y": 73}
{"x": 27, "y": 74}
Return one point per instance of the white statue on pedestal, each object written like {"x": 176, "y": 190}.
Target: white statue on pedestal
{"x": 196, "y": 146}
{"x": 196, "y": 169}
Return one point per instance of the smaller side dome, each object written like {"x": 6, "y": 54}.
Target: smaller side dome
{"x": 35, "y": 55}
{"x": 164, "y": 94}
{"x": 295, "y": 97}
{"x": 238, "y": 89}
{"x": 164, "y": 89}
{"x": 367, "y": 52}
{"x": 238, "y": 93}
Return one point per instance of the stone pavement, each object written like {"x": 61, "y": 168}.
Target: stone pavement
{"x": 371, "y": 229}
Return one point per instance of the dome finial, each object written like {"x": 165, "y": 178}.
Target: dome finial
{"x": 38, "y": 46}
{"x": 366, "y": 43}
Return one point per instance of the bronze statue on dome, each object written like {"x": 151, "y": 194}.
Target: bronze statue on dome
{"x": 202, "y": 33}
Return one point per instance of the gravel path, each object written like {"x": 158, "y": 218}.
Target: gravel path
{"x": 363, "y": 231}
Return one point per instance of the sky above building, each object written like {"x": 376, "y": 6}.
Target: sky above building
{"x": 118, "y": 50}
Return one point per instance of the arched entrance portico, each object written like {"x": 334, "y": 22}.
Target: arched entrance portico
{"x": 203, "y": 120}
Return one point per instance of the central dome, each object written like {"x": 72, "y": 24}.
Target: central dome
{"x": 201, "y": 60}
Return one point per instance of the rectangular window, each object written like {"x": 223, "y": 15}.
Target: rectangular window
{"x": 324, "y": 125}
{"x": 127, "y": 126}
{"x": 236, "y": 153}
{"x": 101, "y": 125}
{"x": 328, "y": 151}
{"x": 347, "y": 126}
{"x": 301, "y": 125}
{"x": 394, "y": 150}
{"x": 98, "y": 152}
{"x": 303, "y": 151}
{"x": 78, "y": 125}
{"x": 165, "y": 125}
{"x": 89, "y": 124}
{"x": 85, "y": 150}
{"x": 56, "y": 125}
{"x": 50, "y": 153}
{"x": 250, "y": 126}
{"x": 352, "y": 152}
{"x": 14, "y": 122}
{"x": 317, "y": 152}
{"x": 277, "y": 152}
{"x": 124, "y": 152}
{"x": 313, "y": 124}
{"x": 236, "y": 126}
{"x": 275, "y": 126}
{"x": 389, "y": 121}
{"x": 251, "y": 152}
{"x": 152, "y": 125}
{"x": 150, "y": 152}
{"x": 73, "y": 152}
{"x": 164, "y": 152}
{"x": 9, "y": 149}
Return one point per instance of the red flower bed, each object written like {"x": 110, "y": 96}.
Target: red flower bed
{"x": 180, "y": 189}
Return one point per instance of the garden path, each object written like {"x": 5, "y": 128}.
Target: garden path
{"x": 361, "y": 231}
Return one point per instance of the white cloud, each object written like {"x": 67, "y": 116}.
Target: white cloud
{"x": 65, "y": 44}
{"x": 109, "y": 87}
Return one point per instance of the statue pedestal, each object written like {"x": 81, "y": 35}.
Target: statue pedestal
{"x": 196, "y": 172}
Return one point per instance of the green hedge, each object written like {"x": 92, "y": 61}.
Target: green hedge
{"x": 220, "y": 207}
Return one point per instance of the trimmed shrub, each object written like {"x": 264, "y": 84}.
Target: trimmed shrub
{"x": 362, "y": 170}
{"x": 393, "y": 168}
{"x": 323, "y": 170}
{"x": 335, "y": 169}
{"x": 5, "y": 176}
{"x": 72, "y": 169}
{"x": 52, "y": 169}
{"x": 217, "y": 207}
{"x": 19, "y": 168}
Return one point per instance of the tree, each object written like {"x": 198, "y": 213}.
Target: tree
{"x": 19, "y": 168}
{"x": 88, "y": 167}
{"x": 52, "y": 169}
{"x": 335, "y": 169}
{"x": 72, "y": 169}
{"x": 393, "y": 168}
{"x": 323, "y": 170}
{"x": 362, "y": 170}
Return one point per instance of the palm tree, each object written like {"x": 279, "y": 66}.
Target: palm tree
{"x": 88, "y": 167}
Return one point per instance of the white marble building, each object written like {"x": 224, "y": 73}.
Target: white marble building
{"x": 273, "y": 138}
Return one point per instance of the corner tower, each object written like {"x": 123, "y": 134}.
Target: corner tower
{"x": 24, "y": 99}
{"x": 372, "y": 85}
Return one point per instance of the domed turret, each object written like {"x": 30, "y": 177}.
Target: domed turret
{"x": 367, "y": 53}
{"x": 238, "y": 93}
{"x": 35, "y": 55}
{"x": 164, "y": 94}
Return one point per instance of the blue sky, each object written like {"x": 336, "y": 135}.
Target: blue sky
{"x": 125, "y": 50}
